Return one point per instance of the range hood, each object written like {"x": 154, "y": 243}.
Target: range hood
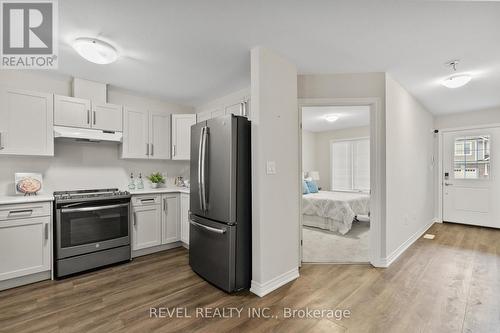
{"x": 85, "y": 134}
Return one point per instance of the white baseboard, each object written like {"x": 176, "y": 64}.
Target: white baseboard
{"x": 437, "y": 220}
{"x": 262, "y": 289}
{"x": 403, "y": 247}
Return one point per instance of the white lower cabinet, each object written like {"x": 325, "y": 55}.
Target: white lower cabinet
{"x": 146, "y": 222}
{"x": 157, "y": 219}
{"x": 170, "y": 219}
{"x": 185, "y": 218}
{"x": 25, "y": 240}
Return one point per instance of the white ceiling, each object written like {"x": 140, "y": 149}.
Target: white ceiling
{"x": 192, "y": 51}
{"x": 313, "y": 117}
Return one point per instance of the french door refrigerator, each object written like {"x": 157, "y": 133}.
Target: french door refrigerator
{"x": 220, "y": 202}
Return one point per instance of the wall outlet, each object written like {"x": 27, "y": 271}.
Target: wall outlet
{"x": 271, "y": 167}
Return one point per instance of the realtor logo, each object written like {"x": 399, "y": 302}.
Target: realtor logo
{"x": 29, "y": 34}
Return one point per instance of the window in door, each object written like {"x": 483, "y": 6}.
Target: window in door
{"x": 472, "y": 157}
{"x": 351, "y": 165}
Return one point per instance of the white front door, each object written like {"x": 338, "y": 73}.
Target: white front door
{"x": 471, "y": 177}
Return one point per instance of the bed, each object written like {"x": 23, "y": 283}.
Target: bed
{"x": 334, "y": 211}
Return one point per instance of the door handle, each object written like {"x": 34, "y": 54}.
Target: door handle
{"x": 200, "y": 151}
{"x": 203, "y": 167}
{"x": 93, "y": 208}
{"x": 217, "y": 231}
{"x": 1, "y": 146}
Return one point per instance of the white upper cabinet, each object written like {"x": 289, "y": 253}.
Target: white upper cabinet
{"x": 26, "y": 122}
{"x": 240, "y": 107}
{"x": 135, "y": 134}
{"x": 146, "y": 135}
{"x": 181, "y": 135}
{"x": 79, "y": 112}
{"x": 159, "y": 136}
{"x": 107, "y": 117}
{"x": 71, "y": 111}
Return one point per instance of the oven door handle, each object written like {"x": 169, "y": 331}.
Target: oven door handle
{"x": 93, "y": 208}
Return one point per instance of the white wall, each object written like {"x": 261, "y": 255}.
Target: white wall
{"x": 308, "y": 151}
{"x": 276, "y": 198}
{"x": 409, "y": 171}
{"x": 474, "y": 118}
{"x": 83, "y": 165}
{"x": 323, "y": 154}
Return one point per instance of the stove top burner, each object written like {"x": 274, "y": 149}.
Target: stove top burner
{"x": 91, "y": 194}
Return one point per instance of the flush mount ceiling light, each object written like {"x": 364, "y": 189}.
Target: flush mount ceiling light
{"x": 95, "y": 50}
{"x": 331, "y": 117}
{"x": 457, "y": 80}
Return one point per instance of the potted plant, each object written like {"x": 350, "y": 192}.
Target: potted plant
{"x": 156, "y": 178}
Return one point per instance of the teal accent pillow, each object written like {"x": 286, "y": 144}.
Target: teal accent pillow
{"x": 305, "y": 188}
{"x": 311, "y": 185}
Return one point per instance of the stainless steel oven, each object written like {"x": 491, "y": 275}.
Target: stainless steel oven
{"x": 91, "y": 230}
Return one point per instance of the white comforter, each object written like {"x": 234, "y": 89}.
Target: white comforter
{"x": 340, "y": 207}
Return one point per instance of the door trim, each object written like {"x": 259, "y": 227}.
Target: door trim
{"x": 377, "y": 176}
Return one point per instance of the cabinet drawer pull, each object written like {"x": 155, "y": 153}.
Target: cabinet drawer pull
{"x": 25, "y": 212}
{"x": 1, "y": 146}
{"x": 148, "y": 200}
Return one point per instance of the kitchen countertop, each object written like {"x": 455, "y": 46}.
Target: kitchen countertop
{"x": 18, "y": 199}
{"x": 160, "y": 190}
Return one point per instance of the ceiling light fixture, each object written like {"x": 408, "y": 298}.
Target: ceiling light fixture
{"x": 331, "y": 117}
{"x": 457, "y": 80}
{"x": 95, "y": 50}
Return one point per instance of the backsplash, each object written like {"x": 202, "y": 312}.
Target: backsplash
{"x": 79, "y": 165}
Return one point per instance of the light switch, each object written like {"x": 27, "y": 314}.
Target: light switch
{"x": 271, "y": 168}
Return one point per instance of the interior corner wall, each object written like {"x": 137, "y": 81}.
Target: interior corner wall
{"x": 276, "y": 197}
{"x": 409, "y": 168}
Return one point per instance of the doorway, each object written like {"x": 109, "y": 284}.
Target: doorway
{"x": 336, "y": 183}
{"x": 471, "y": 187}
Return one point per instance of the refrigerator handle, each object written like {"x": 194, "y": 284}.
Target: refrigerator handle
{"x": 200, "y": 151}
{"x": 203, "y": 168}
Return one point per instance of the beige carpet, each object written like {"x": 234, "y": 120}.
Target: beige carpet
{"x": 326, "y": 246}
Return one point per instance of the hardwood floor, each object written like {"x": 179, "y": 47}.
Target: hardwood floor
{"x": 449, "y": 284}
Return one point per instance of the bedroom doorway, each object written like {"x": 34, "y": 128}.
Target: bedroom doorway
{"x": 336, "y": 183}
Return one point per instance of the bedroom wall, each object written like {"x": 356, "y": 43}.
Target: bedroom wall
{"x": 309, "y": 151}
{"x": 276, "y": 197}
{"x": 83, "y": 165}
{"x": 323, "y": 155}
{"x": 409, "y": 168}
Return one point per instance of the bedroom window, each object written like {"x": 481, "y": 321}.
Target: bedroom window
{"x": 351, "y": 165}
